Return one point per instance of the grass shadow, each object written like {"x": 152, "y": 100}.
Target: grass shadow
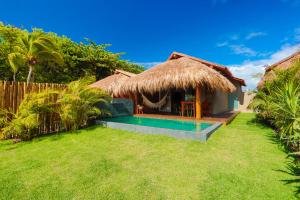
{"x": 62, "y": 134}
{"x": 10, "y": 145}
{"x": 276, "y": 140}
{"x": 271, "y": 135}
{"x": 292, "y": 169}
{"x": 258, "y": 123}
{"x": 91, "y": 128}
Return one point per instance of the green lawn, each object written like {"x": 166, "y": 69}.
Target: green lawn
{"x": 240, "y": 161}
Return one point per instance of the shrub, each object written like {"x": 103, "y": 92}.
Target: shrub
{"x": 25, "y": 122}
{"x": 75, "y": 105}
{"x": 78, "y": 103}
{"x": 279, "y": 104}
{"x": 5, "y": 117}
{"x": 286, "y": 112}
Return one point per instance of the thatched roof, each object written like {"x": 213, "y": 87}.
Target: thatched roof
{"x": 283, "y": 64}
{"x": 112, "y": 83}
{"x": 182, "y": 72}
{"x": 220, "y": 68}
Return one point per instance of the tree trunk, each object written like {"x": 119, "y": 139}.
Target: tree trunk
{"x": 29, "y": 74}
{"x": 14, "y": 77}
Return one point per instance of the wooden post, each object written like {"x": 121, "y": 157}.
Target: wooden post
{"x": 135, "y": 103}
{"x": 198, "y": 102}
{"x": 134, "y": 99}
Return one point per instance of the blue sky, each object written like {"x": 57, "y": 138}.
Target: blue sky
{"x": 244, "y": 35}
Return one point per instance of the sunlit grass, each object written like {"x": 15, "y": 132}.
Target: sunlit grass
{"x": 240, "y": 161}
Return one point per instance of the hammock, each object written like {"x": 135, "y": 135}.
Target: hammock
{"x": 158, "y": 104}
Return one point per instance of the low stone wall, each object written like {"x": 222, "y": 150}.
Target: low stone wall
{"x": 201, "y": 136}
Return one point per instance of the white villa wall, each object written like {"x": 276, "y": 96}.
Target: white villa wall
{"x": 244, "y": 101}
{"x": 220, "y": 102}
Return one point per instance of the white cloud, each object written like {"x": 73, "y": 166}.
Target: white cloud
{"x": 248, "y": 68}
{"x": 242, "y": 50}
{"x": 246, "y": 71}
{"x": 255, "y": 34}
{"x": 222, "y": 44}
{"x": 148, "y": 65}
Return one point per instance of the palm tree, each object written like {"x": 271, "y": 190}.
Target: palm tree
{"x": 15, "y": 61}
{"x": 33, "y": 48}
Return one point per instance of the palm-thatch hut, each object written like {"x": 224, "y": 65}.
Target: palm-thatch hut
{"x": 113, "y": 83}
{"x": 283, "y": 64}
{"x": 205, "y": 86}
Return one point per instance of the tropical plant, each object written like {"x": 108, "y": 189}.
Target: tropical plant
{"x": 278, "y": 102}
{"x": 16, "y": 61}
{"x": 33, "y": 48}
{"x": 80, "y": 59}
{"x": 25, "y": 122}
{"x": 260, "y": 104}
{"x": 75, "y": 105}
{"x": 8, "y": 39}
{"x": 78, "y": 103}
{"x": 286, "y": 112}
{"x": 5, "y": 117}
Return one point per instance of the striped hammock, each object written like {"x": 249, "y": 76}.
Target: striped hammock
{"x": 158, "y": 104}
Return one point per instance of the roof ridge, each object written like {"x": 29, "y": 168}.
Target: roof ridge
{"x": 210, "y": 64}
{"x": 195, "y": 58}
{"x": 126, "y": 73}
{"x": 282, "y": 61}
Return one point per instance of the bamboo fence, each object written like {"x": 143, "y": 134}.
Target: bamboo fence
{"x": 12, "y": 94}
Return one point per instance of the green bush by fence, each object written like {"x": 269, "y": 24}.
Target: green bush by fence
{"x": 13, "y": 93}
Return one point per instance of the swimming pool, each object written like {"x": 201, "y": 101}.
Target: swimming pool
{"x": 162, "y": 123}
{"x": 175, "y": 128}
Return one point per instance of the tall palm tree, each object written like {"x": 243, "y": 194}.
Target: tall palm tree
{"x": 32, "y": 49}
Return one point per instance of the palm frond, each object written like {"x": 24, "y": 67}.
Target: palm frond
{"x": 16, "y": 61}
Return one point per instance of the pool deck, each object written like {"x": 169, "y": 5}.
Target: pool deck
{"x": 225, "y": 118}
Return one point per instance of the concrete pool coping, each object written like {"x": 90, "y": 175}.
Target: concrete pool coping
{"x": 202, "y": 135}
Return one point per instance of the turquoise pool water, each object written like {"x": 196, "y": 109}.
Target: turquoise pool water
{"x": 161, "y": 123}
